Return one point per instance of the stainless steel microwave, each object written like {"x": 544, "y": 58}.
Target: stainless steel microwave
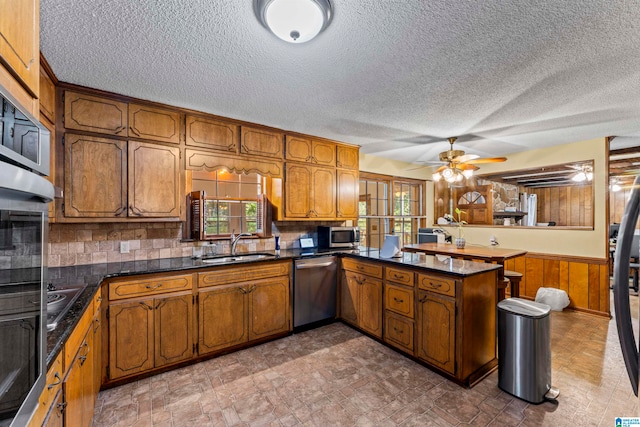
{"x": 338, "y": 237}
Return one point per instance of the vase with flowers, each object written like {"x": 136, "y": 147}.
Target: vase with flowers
{"x": 460, "y": 240}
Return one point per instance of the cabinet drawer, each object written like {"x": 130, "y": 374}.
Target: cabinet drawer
{"x": 399, "y": 299}
{"x": 403, "y": 277}
{"x": 437, "y": 284}
{"x": 142, "y": 287}
{"x": 243, "y": 273}
{"x": 362, "y": 267}
{"x": 398, "y": 331}
{"x": 53, "y": 383}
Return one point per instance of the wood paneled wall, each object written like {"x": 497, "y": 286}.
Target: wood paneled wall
{"x": 586, "y": 280}
{"x": 567, "y": 206}
{"x": 617, "y": 203}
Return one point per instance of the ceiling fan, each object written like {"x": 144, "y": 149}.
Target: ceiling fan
{"x": 458, "y": 165}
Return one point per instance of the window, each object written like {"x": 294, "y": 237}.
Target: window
{"x": 231, "y": 203}
{"x": 390, "y": 205}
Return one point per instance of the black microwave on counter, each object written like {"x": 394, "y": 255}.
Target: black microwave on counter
{"x": 338, "y": 237}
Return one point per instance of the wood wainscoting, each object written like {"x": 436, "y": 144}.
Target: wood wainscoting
{"x": 586, "y": 280}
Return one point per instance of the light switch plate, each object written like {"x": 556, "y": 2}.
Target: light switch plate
{"x": 124, "y": 247}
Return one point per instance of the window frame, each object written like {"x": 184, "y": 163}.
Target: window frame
{"x": 389, "y": 219}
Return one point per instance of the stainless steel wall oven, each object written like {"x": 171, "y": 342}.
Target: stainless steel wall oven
{"x": 24, "y": 198}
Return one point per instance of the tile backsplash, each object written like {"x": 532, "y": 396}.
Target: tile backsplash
{"x": 95, "y": 243}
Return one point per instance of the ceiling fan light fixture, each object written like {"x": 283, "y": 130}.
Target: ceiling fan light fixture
{"x": 294, "y": 21}
{"x": 468, "y": 173}
{"x": 436, "y": 176}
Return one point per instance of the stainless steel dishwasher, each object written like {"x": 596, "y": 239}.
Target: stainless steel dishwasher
{"x": 314, "y": 290}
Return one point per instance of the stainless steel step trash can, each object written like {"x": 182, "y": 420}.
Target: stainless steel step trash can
{"x": 524, "y": 350}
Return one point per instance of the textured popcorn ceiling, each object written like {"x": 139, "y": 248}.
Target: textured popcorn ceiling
{"x": 395, "y": 76}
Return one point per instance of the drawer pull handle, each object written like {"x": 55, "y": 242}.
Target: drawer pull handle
{"x": 398, "y": 331}
{"x": 156, "y": 286}
{"x": 55, "y": 383}
{"x": 396, "y": 299}
{"x": 397, "y": 276}
{"x": 435, "y": 285}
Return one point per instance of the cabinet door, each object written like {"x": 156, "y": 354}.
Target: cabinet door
{"x": 298, "y": 191}
{"x": 154, "y": 180}
{"x": 349, "y": 296}
{"x": 212, "y": 134}
{"x": 173, "y": 317}
{"x": 20, "y": 40}
{"x": 73, "y": 388}
{"x": 157, "y": 124}
{"x": 324, "y": 153}
{"x": 130, "y": 338}
{"x": 222, "y": 315}
{"x": 371, "y": 306}
{"x": 97, "y": 353}
{"x": 348, "y": 157}
{"x": 95, "y": 114}
{"x": 298, "y": 149}
{"x": 86, "y": 356}
{"x": 95, "y": 183}
{"x": 436, "y": 330}
{"x": 261, "y": 142}
{"x": 269, "y": 307}
{"x": 47, "y": 98}
{"x": 55, "y": 418}
{"x": 348, "y": 193}
{"x": 323, "y": 203}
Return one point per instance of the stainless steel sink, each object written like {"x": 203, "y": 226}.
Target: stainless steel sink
{"x": 237, "y": 258}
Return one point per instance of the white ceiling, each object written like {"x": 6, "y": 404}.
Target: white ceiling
{"x": 394, "y": 76}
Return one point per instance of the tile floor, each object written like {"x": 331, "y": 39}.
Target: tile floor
{"x": 335, "y": 376}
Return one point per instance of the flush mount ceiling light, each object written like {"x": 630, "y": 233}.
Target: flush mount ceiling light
{"x": 294, "y": 21}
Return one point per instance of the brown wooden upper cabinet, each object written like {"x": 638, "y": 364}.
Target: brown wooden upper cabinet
{"x": 348, "y": 157}
{"x": 310, "y": 192}
{"x": 109, "y": 178}
{"x": 20, "y": 41}
{"x": 212, "y": 134}
{"x": 95, "y": 114}
{"x": 108, "y": 116}
{"x": 157, "y": 124}
{"x": 347, "y": 190}
{"x": 261, "y": 142}
{"x": 305, "y": 150}
{"x": 47, "y": 98}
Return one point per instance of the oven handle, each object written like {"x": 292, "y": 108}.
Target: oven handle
{"x": 23, "y": 181}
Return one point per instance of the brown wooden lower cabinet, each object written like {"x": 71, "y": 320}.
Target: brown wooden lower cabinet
{"x": 56, "y": 415}
{"x": 361, "y": 299}
{"x": 236, "y": 313}
{"x": 79, "y": 391}
{"x": 436, "y": 330}
{"x": 149, "y": 333}
{"x": 398, "y": 331}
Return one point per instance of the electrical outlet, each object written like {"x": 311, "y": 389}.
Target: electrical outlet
{"x": 124, "y": 247}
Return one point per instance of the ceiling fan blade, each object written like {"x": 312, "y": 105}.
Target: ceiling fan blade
{"x": 417, "y": 167}
{"x": 487, "y": 160}
{"x": 466, "y": 167}
{"x": 466, "y": 158}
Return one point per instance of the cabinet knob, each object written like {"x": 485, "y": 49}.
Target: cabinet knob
{"x": 398, "y": 299}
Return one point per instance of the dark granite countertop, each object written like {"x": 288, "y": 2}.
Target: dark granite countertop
{"x": 92, "y": 275}
{"x": 437, "y": 263}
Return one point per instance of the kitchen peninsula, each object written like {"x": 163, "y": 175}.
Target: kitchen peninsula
{"x": 445, "y": 306}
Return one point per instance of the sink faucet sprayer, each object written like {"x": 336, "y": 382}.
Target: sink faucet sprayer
{"x": 234, "y": 240}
